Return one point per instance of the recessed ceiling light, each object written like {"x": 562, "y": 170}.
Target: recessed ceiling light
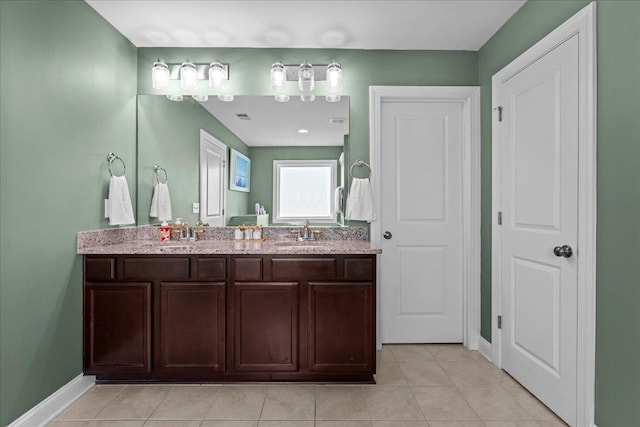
{"x": 303, "y": 131}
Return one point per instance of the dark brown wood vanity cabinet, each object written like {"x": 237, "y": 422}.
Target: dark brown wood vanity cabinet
{"x": 229, "y": 318}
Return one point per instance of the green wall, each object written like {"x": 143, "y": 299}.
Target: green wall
{"x": 68, "y": 98}
{"x": 169, "y": 136}
{"x": 262, "y": 168}
{"x": 618, "y": 210}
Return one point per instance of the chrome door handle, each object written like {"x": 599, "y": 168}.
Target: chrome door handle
{"x": 563, "y": 251}
{"x": 387, "y": 235}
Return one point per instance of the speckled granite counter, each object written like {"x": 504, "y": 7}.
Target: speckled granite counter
{"x": 142, "y": 241}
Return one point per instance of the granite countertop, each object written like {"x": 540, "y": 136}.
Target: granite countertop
{"x": 232, "y": 247}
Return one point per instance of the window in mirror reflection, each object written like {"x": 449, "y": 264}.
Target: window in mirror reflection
{"x": 303, "y": 190}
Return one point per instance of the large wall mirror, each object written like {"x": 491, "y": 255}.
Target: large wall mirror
{"x": 306, "y": 137}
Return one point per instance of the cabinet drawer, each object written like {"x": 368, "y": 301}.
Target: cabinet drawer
{"x": 156, "y": 268}
{"x": 210, "y": 268}
{"x": 97, "y": 269}
{"x": 303, "y": 268}
{"x": 358, "y": 269}
{"x": 248, "y": 268}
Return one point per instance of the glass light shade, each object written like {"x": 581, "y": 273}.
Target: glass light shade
{"x": 217, "y": 74}
{"x": 225, "y": 98}
{"x": 201, "y": 98}
{"x": 188, "y": 76}
{"x": 160, "y": 75}
{"x": 282, "y": 98}
{"x": 278, "y": 76}
{"x": 176, "y": 98}
{"x": 332, "y": 98}
{"x": 334, "y": 76}
{"x": 307, "y": 98}
{"x": 306, "y": 82}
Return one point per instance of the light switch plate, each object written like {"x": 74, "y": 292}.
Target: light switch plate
{"x": 106, "y": 208}
{"x": 195, "y": 207}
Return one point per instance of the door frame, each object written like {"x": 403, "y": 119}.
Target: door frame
{"x": 469, "y": 98}
{"x": 581, "y": 24}
{"x": 207, "y": 138}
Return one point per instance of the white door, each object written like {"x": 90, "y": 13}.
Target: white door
{"x": 213, "y": 155}
{"x": 421, "y": 172}
{"x": 539, "y": 201}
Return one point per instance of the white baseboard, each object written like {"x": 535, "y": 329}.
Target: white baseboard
{"x": 485, "y": 349}
{"x": 46, "y": 410}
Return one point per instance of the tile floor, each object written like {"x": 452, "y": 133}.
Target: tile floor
{"x": 417, "y": 386}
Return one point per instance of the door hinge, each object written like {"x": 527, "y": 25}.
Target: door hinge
{"x": 222, "y": 211}
{"x": 499, "y": 322}
{"x": 499, "y": 113}
{"x": 499, "y": 218}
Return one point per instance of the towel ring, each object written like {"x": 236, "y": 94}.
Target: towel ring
{"x": 157, "y": 170}
{"x": 111, "y": 157}
{"x": 359, "y": 163}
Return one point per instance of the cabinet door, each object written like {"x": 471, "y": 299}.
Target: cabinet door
{"x": 341, "y": 327}
{"x": 117, "y": 322}
{"x": 191, "y": 326}
{"x": 266, "y": 326}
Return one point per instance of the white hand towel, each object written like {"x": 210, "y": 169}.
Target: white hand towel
{"x": 360, "y": 201}
{"x": 120, "y": 208}
{"x": 161, "y": 202}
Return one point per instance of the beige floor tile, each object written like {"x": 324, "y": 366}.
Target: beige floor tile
{"x": 186, "y": 403}
{"x": 443, "y": 403}
{"x": 410, "y": 352}
{"x": 511, "y": 424}
{"x": 289, "y": 403}
{"x": 424, "y": 374}
{"x": 494, "y": 403}
{"x": 452, "y": 353}
{"x": 229, "y": 423}
{"x": 134, "y": 402}
{"x": 385, "y": 355}
{"x": 97, "y": 423}
{"x": 389, "y": 373}
{"x": 470, "y": 374}
{"x": 341, "y": 403}
{"x": 90, "y": 403}
{"x": 456, "y": 423}
{"x": 554, "y": 423}
{"x": 172, "y": 423}
{"x": 406, "y": 423}
{"x": 286, "y": 423}
{"x": 532, "y": 405}
{"x": 351, "y": 423}
{"x": 392, "y": 403}
{"x": 238, "y": 403}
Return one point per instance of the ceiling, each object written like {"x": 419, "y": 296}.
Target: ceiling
{"x": 277, "y": 123}
{"x": 400, "y": 24}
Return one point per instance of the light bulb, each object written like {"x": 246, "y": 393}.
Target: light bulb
{"x": 188, "y": 76}
{"x": 282, "y": 98}
{"x": 225, "y": 98}
{"x": 217, "y": 74}
{"x": 160, "y": 75}
{"x": 306, "y": 82}
{"x": 278, "y": 76}
{"x": 334, "y": 76}
{"x": 332, "y": 98}
{"x": 201, "y": 98}
{"x": 176, "y": 98}
{"x": 307, "y": 98}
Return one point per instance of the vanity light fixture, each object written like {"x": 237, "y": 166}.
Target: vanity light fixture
{"x": 281, "y": 98}
{"x": 306, "y": 81}
{"x": 334, "y": 76}
{"x": 176, "y": 98}
{"x": 217, "y": 75}
{"x": 278, "y": 76}
{"x": 225, "y": 98}
{"x": 200, "y": 98}
{"x": 307, "y": 98}
{"x": 332, "y": 98}
{"x": 160, "y": 75}
{"x": 188, "y": 76}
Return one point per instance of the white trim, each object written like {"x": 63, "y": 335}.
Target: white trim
{"x": 46, "y": 410}
{"x": 485, "y": 349}
{"x": 469, "y": 97}
{"x": 583, "y": 24}
{"x": 206, "y": 138}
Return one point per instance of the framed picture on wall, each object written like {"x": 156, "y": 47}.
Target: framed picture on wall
{"x": 240, "y": 172}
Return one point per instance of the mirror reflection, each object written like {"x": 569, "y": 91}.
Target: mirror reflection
{"x": 252, "y": 160}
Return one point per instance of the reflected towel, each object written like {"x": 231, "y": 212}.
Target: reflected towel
{"x": 161, "y": 202}
{"x": 337, "y": 196}
{"x": 120, "y": 210}
{"x": 360, "y": 201}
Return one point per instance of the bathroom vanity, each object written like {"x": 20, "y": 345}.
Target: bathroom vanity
{"x": 224, "y": 311}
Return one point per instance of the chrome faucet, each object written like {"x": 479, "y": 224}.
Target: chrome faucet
{"x": 185, "y": 232}
{"x": 307, "y": 233}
